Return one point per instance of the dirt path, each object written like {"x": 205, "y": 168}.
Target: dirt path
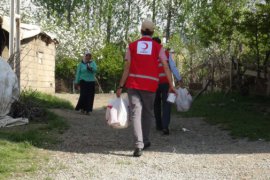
{"x": 92, "y": 150}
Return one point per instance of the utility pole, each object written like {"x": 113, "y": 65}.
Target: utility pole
{"x": 18, "y": 43}
{"x": 11, "y": 31}
{"x": 15, "y": 54}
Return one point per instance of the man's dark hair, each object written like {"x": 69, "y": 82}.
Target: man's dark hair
{"x": 157, "y": 40}
{"x": 4, "y": 41}
{"x": 1, "y": 21}
{"x": 147, "y": 32}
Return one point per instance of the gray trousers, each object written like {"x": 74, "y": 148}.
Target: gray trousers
{"x": 141, "y": 114}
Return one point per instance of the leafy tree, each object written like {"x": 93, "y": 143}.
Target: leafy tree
{"x": 110, "y": 66}
{"x": 255, "y": 29}
{"x": 203, "y": 33}
{"x": 65, "y": 68}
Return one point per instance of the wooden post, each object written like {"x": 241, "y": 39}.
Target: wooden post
{"x": 231, "y": 73}
{"x": 212, "y": 74}
{"x": 268, "y": 83}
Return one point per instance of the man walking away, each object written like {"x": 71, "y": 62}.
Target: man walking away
{"x": 162, "y": 108}
{"x": 140, "y": 77}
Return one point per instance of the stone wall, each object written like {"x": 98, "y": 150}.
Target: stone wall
{"x": 38, "y": 65}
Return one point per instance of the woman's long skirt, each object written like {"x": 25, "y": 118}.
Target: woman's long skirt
{"x": 87, "y": 94}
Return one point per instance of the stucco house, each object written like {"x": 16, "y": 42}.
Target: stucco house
{"x": 37, "y": 57}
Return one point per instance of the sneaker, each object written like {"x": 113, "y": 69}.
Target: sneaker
{"x": 146, "y": 145}
{"x": 166, "y": 131}
{"x": 137, "y": 152}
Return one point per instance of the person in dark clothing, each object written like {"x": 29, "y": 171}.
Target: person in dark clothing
{"x": 85, "y": 81}
{"x": 162, "y": 108}
{"x": 4, "y": 37}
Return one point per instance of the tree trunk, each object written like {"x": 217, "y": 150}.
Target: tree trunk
{"x": 191, "y": 69}
{"x": 87, "y": 6}
{"x": 212, "y": 74}
{"x": 69, "y": 13}
{"x": 257, "y": 49}
{"x": 169, "y": 17}
{"x": 109, "y": 22}
{"x": 100, "y": 14}
{"x": 154, "y": 11}
{"x": 48, "y": 12}
{"x": 128, "y": 20}
{"x": 265, "y": 62}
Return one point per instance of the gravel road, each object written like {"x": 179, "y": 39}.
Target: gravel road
{"x": 92, "y": 150}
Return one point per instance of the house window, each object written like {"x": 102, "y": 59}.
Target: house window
{"x": 40, "y": 56}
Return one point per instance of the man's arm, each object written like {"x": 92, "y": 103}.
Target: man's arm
{"x": 123, "y": 79}
{"x": 174, "y": 68}
{"x": 168, "y": 73}
{"x": 175, "y": 71}
{"x": 164, "y": 61}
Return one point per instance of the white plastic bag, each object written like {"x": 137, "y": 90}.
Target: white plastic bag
{"x": 183, "y": 100}
{"x": 117, "y": 113}
{"x": 9, "y": 90}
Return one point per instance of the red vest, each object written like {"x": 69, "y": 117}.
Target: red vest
{"x": 161, "y": 73}
{"x": 143, "y": 72}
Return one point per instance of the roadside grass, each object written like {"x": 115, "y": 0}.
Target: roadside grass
{"x": 18, "y": 158}
{"x": 19, "y": 145}
{"x": 243, "y": 117}
{"x": 46, "y": 100}
{"x": 39, "y": 134}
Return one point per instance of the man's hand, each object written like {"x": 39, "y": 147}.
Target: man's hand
{"x": 180, "y": 83}
{"x": 172, "y": 89}
{"x": 118, "y": 92}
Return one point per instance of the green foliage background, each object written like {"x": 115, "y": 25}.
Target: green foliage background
{"x": 66, "y": 67}
{"x": 208, "y": 33}
{"x": 110, "y": 63}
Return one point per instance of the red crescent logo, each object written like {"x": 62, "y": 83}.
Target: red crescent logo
{"x": 146, "y": 46}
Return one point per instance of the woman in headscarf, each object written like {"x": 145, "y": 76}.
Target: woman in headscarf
{"x": 85, "y": 81}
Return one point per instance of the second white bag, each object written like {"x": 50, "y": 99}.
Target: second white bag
{"x": 117, "y": 113}
{"x": 183, "y": 100}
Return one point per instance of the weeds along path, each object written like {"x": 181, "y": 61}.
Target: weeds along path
{"x": 92, "y": 150}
